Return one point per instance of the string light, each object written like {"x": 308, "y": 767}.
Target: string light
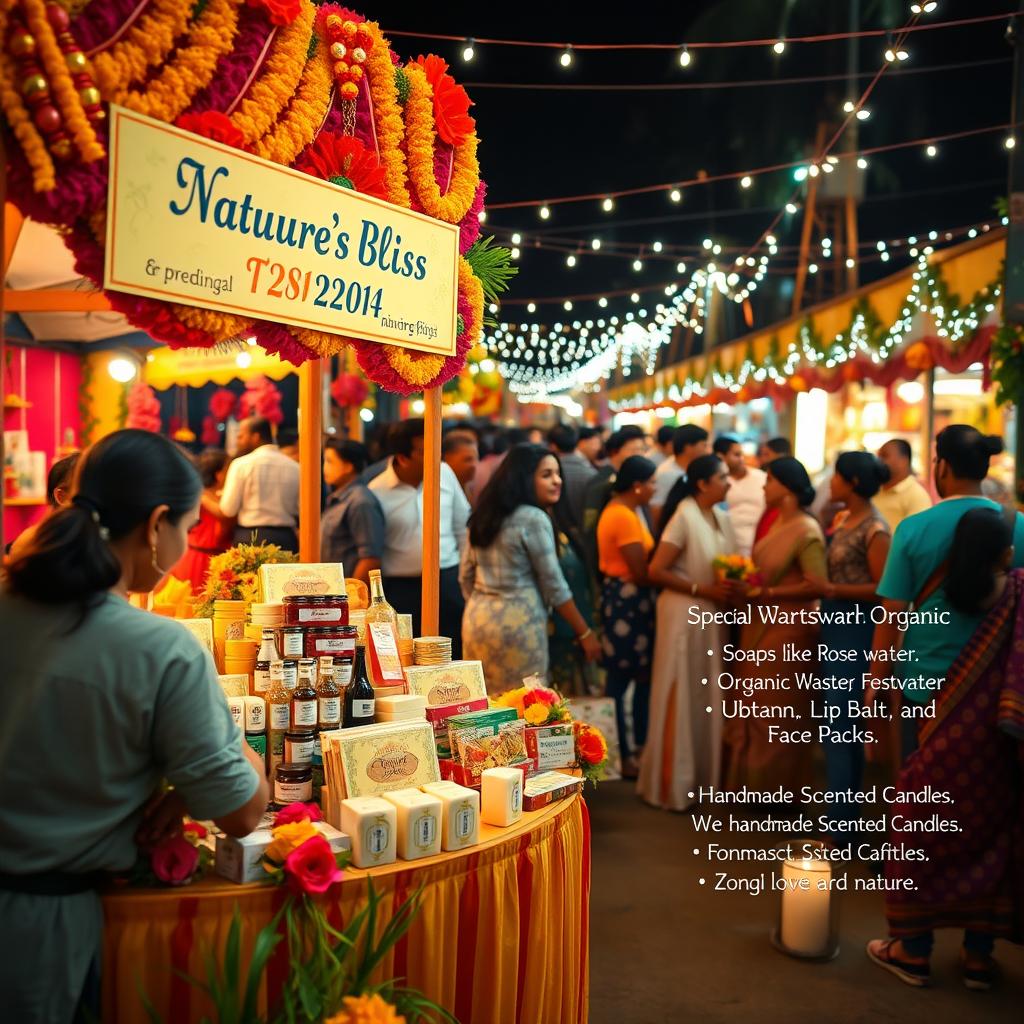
{"x": 925, "y": 8}
{"x": 680, "y": 268}
{"x": 862, "y": 163}
{"x": 634, "y": 297}
{"x": 531, "y": 307}
{"x": 850, "y": 263}
{"x": 1009, "y": 142}
{"x": 863, "y": 114}
{"x": 931, "y": 150}
{"x": 780, "y": 46}
{"x": 516, "y": 238}
{"x": 813, "y": 268}
{"x": 570, "y": 260}
{"x": 602, "y": 302}
{"x": 684, "y": 58}
{"x": 746, "y": 181}
{"x": 895, "y": 52}
{"x": 657, "y": 247}
{"x": 675, "y": 195}
{"x": 468, "y": 52}
{"x": 849, "y": 107}
{"x": 595, "y": 244}
{"x": 515, "y": 252}
{"x": 638, "y": 265}
{"x": 544, "y": 212}
{"x": 566, "y": 59}
{"x": 567, "y": 305}
{"x": 791, "y": 207}
{"x": 483, "y": 216}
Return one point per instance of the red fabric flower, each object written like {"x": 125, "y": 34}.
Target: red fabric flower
{"x": 193, "y": 828}
{"x": 297, "y": 811}
{"x": 174, "y": 861}
{"x": 590, "y": 746}
{"x": 451, "y": 102}
{"x": 312, "y": 867}
{"x": 222, "y": 404}
{"x": 349, "y": 389}
{"x": 212, "y": 124}
{"x": 334, "y": 156}
{"x": 540, "y": 695}
{"x": 280, "y": 12}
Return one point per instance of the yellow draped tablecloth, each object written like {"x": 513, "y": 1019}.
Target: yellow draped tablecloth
{"x": 501, "y": 938}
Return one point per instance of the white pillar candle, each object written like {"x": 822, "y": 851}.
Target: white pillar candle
{"x": 806, "y": 906}
{"x": 460, "y": 814}
{"x": 371, "y": 823}
{"x": 501, "y": 796}
{"x": 419, "y": 823}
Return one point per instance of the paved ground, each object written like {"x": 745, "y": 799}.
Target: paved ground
{"x": 664, "y": 949}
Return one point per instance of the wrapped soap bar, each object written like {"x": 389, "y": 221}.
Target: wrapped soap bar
{"x": 371, "y": 823}
{"x": 408, "y": 704}
{"x": 419, "y": 823}
{"x": 501, "y": 796}
{"x": 460, "y": 814}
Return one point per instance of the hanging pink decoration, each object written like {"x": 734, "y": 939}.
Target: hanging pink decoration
{"x": 261, "y": 398}
{"x": 222, "y": 404}
{"x": 211, "y": 433}
{"x": 143, "y": 408}
{"x": 349, "y": 390}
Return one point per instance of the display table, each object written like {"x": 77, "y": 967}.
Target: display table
{"x": 502, "y": 936}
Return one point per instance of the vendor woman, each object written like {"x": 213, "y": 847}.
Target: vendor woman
{"x": 102, "y": 703}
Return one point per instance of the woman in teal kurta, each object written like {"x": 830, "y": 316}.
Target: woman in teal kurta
{"x": 101, "y": 702}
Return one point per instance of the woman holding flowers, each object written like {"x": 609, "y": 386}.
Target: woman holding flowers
{"x": 121, "y": 700}
{"x": 858, "y": 546}
{"x": 627, "y": 602}
{"x": 684, "y": 741}
{"x": 791, "y": 550}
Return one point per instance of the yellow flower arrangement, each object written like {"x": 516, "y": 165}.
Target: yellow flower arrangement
{"x": 269, "y": 95}
{"x": 420, "y": 138}
{"x": 536, "y": 714}
{"x": 370, "y": 1009}
{"x": 146, "y": 44}
{"x": 380, "y": 74}
{"x": 44, "y": 175}
{"x": 171, "y": 91}
{"x": 287, "y": 838}
{"x": 304, "y": 116}
{"x": 65, "y": 92}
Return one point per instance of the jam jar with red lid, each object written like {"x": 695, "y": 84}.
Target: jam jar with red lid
{"x": 337, "y": 641}
{"x": 316, "y": 610}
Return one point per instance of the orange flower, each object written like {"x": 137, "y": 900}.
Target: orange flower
{"x": 287, "y": 838}
{"x": 366, "y": 1010}
{"x": 590, "y": 744}
{"x": 451, "y": 102}
{"x": 536, "y": 714}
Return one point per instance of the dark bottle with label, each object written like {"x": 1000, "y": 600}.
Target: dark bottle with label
{"x": 360, "y": 708}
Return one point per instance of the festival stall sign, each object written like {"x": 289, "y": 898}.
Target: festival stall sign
{"x": 193, "y": 220}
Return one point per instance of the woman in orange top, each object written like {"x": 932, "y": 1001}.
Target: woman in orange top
{"x": 627, "y": 601}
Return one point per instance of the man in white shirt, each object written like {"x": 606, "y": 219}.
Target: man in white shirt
{"x": 745, "y": 500}
{"x": 399, "y": 489}
{"x": 261, "y": 490}
{"x": 904, "y": 495}
{"x": 688, "y": 443}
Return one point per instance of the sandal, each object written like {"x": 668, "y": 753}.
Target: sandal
{"x": 979, "y": 979}
{"x": 879, "y": 952}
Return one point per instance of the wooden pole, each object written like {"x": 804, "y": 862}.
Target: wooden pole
{"x": 805, "y": 246}
{"x": 354, "y": 421}
{"x": 431, "y": 511}
{"x": 311, "y": 375}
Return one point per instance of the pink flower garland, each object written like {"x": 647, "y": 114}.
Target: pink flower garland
{"x": 276, "y": 338}
{"x": 469, "y": 226}
{"x": 98, "y": 23}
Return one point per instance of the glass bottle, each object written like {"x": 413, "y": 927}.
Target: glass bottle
{"x": 304, "y": 699}
{"x": 328, "y": 696}
{"x": 268, "y": 653}
{"x": 360, "y": 708}
{"x": 383, "y": 662}
{"x": 279, "y": 708}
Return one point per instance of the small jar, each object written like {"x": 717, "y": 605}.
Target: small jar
{"x": 293, "y": 640}
{"x": 298, "y": 747}
{"x": 318, "y": 609}
{"x": 293, "y": 783}
{"x": 337, "y": 641}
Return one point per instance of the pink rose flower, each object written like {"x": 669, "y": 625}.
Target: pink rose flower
{"x": 313, "y": 867}
{"x": 174, "y": 861}
{"x": 297, "y": 812}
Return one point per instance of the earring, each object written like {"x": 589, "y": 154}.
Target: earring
{"x": 153, "y": 561}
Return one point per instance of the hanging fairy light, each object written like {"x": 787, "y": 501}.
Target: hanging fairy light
{"x": 675, "y": 195}
{"x": 849, "y": 107}
{"x": 791, "y": 207}
{"x": 608, "y": 204}
{"x": 468, "y": 51}
{"x": 657, "y": 247}
{"x": 779, "y": 47}
{"x": 570, "y": 260}
{"x": 638, "y": 265}
{"x": 531, "y": 307}
{"x": 566, "y": 58}
{"x": 931, "y": 150}
{"x": 746, "y": 181}
{"x": 516, "y": 238}
{"x": 1009, "y": 142}
{"x": 684, "y": 58}
{"x": 595, "y": 244}
{"x": 544, "y": 212}
{"x": 863, "y": 114}
{"x": 862, "y": 163}
{"x": 680, "y": 268}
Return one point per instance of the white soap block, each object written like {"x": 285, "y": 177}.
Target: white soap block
{"x": 372, "y": 824}
{"x": 403, "y": 703}
{"x": 460, "y": 814}
{"x": 419, "y": 823}
{"x": 501, "y": 796}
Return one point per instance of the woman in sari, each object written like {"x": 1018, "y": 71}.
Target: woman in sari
{"x": 973, "y": 752}
{"x": 683, "y": 751}
{"x": 791, "y": 550}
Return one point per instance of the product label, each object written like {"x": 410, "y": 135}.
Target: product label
{"x": 237, "y": 707}
{"x": 290, "y": 792}
{"x": 234, "y": 630}
{"x": 291, "y": 676}
{"x": 377, "y": 838}
{"x": 319, "y": 615}
{"x": 552, "y": 751}
{"x": 362, "y": 708}
{"x": 393, "y": 765}
{"x": 255, "y": 714}
{"x": 425, "y": 832}
{"x": 385, "y": 653}
{"x": 261, "y": 680}
{"x": 304, "y": 712}
{"x": 464, "y": 818}
{"x": 258, "y": 743}
{"x": 277, "y": 745}
{"x": 280, "y": 715}
{"x": 335, "y": 645}
{"x": 298, "y": 751}
{"x": 343, "y": 673}
{"x": 293, "y": 645}
{"x": 517, "y": 798}
{"x": 330, "y": 710}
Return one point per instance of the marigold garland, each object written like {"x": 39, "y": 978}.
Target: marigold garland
{"x": 64, "y": 90}
{"x": 147, "y": 44}
{"x": 44, "y": 176}
{"x": 282, "y": 71}
{"x": 170, "y": 92}
{"x": 420, "y": 141}
{"x": 380, "y": 75}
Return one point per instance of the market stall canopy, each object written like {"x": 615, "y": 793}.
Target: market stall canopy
{"x": 194, "y": 368}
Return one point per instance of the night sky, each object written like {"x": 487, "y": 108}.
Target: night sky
{"x": 540, "y": 143}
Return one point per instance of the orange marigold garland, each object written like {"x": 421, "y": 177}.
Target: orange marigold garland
{"x": 380, "y": 75}
{"x": 420, "y": 141}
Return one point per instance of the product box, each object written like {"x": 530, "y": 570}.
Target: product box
{"x": 452, "y": 771}
{"x": 548, "y": 787}
{"x": 377, "y": 758}
{"x": 234, "y": 685}
{"x": 600, "y": 713}
{"x": 552, "y": 746}
{"x": 240, "y": 860}
{"x": 202, "y": 630}
{"x": 454, "y": 683}
{"x": 279, "y": 581}
{"x": 489, "y": 744}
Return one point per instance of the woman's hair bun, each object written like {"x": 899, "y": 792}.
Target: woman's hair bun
{"x": 993, "y": 444}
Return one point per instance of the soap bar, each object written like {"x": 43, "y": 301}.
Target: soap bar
{"x": 544, "y": 789}
{"x": 460, "y": 814}
{"x": 419, "y": 823}
{"x": 372, "y": 825}
{"x": 402, "y": 703}
{"x": 501, "y": 796}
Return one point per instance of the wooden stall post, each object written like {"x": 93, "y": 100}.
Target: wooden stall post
{"x": 431, "y": 594}
{"x": 311, "y": 375}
